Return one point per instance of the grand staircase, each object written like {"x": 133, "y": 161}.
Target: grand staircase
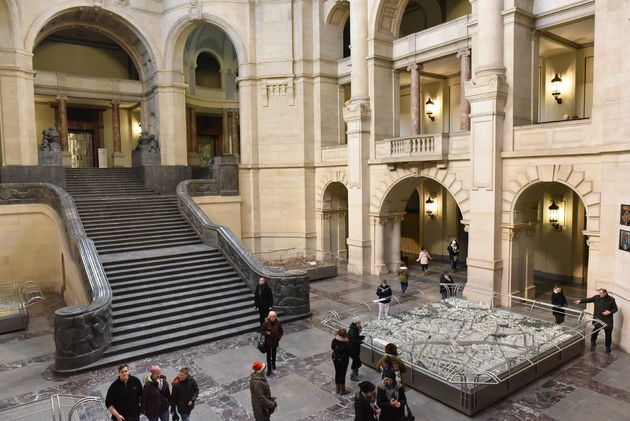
{"x": 169, "y": 290}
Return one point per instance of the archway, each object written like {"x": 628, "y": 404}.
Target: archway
{"x": 547, "y": 242}
{"x": 418, "y": 212}
{"x": 335, "y": 218}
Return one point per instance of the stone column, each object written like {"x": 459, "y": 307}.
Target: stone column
{"x": 225, "y": 134}
{"x": 394, "y": 247}
{"x": 379, "y": 245}
{"x": 62, "y": 115}
{"x": 171, "y": 109}
{"x": 464, "y": 105}
{"x": 359, "y": 52}
{"x": 415, "y": 98}
{"x": 489, "y": 36}
{"x": 117, "y": 154}
{"x": 234, "y": 149}
{"x": 193, "y": 154}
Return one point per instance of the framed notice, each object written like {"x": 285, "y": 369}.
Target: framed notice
{"x": 624, "y": 218}
{"x": 624, "y": 240}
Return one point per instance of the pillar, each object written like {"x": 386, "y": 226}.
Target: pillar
{"x": 234, "y": 115}
{"x": 225, "y": 135}
{"x": 194, "y": 158}
{"x": 117, "y": 155}
{"x": 357, "y": 115}
{"x": 394, "y": 245}
{"x": 379, "y": 245}
{"x": 62, "y": 116}
{"x": 415, "y": 98}
{"x": 170, "y": 98}
{"x": 464, "y": 105}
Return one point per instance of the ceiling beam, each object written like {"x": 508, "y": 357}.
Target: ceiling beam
{"x": 560, "y": 40}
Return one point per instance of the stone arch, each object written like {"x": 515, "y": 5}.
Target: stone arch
{"x": 111, "y": 23}
{"x": 177, "y": 36}
{"x": 563, "y": 174}
{"x": 338, "y": 14}
{"x": 383, "y": 192}
{"x": 340, "y": 176}
{"x": 384, "y": 21}
{"x": 9, "y": 24}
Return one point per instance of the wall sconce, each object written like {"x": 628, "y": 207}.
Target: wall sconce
{"x": 430, "y": 206}
{"x": 556, "y": 214}
{"x": 137, "y": 129}
{"x": 429, "y": 106}
{"x": 556, "y": 88}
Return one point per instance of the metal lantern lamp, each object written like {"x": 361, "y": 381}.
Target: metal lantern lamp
{"x": 553, "y": 216}
{"x": 429, "y": 106}
{"x": 556, "y": 88}
{"x": 430, "y": 207}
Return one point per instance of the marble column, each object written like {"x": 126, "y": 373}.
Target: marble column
{"x": 464, "y": 105}
{"x": 62, "y": 110}
{"x": 225, "y": 134}
{"x": 194, "y": 143}
{"x": 379, "y": 245}
{"x": 415, "y": 98}
{"x": 117, "y": 154}
{"x": 234, "y": 116}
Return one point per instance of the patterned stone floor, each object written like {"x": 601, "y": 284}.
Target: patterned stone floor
{"x": 593, "y": 386}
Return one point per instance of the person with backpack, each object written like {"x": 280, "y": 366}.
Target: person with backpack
{"x": 156, "y": 396}
{"x": 341, "y": 358}
{"x": 391, "y": 365}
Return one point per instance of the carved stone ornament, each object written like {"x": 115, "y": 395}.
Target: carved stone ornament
{"x": 277, "y": 87}
{"x": 195, "y": 10}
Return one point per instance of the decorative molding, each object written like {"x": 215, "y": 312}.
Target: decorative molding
{"x": 277, "y": 87}
{"x": 195, "y": 10}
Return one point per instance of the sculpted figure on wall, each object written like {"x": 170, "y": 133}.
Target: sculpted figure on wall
{"x": 50, "y": 139}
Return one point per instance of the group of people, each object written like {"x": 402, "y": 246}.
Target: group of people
{"x": 127, "y": 397}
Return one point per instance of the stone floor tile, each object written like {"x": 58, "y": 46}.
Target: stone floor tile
{"x": 306, "y": 343}
{"x": 231, "y": 364}
{"x": 586, "y": 405}
{"x": 27, "y": 349}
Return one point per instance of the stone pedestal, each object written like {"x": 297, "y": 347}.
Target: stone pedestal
{"x": 50, "y": 158}
{"x": 142, "y": 157}
{"x": 118, "y": 159}
{"x": 224, "y": 168}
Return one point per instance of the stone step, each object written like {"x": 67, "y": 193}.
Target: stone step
{"x": 170, "y": 216}
{"x": 98, "y": 229}
{"x": 131, "y": 232}
{"x": 206, "y": 276}
{"x": 147, "y": 237}
{"x": 142, "y": 261}
{"x": 119, "y": 277}
{"x": 172, "y": 243}
{"x": 89, "y": 215}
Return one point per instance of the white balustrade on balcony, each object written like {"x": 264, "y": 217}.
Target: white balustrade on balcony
{"x": 424, "y": 147}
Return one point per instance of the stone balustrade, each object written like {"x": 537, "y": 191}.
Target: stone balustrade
{"x": 424, "y": 147}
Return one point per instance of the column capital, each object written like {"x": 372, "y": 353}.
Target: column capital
{"x": 61, "y": 98}
{"x": 463, "y": 53}
{"x": 114, "y": 102}
{"x": 415, "y": 66}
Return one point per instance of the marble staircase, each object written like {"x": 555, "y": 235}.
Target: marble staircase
{"x": 170, "y": 291}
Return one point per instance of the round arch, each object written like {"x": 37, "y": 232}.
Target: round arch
{"x": 112, "y": 24}
{"x": 9, "y": 24}
{"x": 335, "y": 218}
{"x": 179, "y": 33}
{"x": 338, "y": 14}
{"x": 385, "y": 18}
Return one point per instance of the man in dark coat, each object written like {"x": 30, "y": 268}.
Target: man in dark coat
{"x": 184, "y": 394}
{"x": 263, "y": 299}
{"x": 263, "y": 404}
{"x": 605, "y": 307}
{"x": 364, "y": 403}
{"x": 384, "y": 294}
{"x": 156, "y": 396}
{"x": 123, "y": 396}
{"x": 445, "y": 290}
{"x": 356, "y": 339}
{"x": 558, "y": 301}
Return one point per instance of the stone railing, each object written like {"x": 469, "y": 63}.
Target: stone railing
{"x": 433, "y": 147}
{"x": 82, "y": 333}
{"x": 290, "y": 289}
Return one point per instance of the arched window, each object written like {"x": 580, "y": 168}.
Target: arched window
{"x": 208, "y": 71}
{"x": 346, "y": 39}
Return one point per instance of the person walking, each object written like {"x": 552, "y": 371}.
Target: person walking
{"x": 605, "y": 307}
{"x": 124, "y": 396}
{"x": 341, "y": 358}
{"x": 272, "y": 330}
{"x": 403, "y": 278}
{"x": 423, "y": 258}
{"x": 390, "y": 365}
{"x": 558, "y": 300}
{"x": 390, "y": 397}
{"x": 156, "y": 396}
{"x": 384, "y": 294}
{"x": 184, "y": 394}
{"x": 365, "y": 403}
{"x": 263, "y": 404}
{"x": 356, "y": 339}
{"x": 453, "y": 254}
{"x": 263, "y": 299}
{"x": 445, "y": 287}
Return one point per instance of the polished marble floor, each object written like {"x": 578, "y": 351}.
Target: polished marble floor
{"x": 593, "y": 386}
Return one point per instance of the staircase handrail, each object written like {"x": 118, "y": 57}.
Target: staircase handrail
{"x": 82, "y": 333}
{"x": 290, "y": 288}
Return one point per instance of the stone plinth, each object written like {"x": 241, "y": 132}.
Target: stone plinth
{"x": 142, "y": 156}
{"x": 50, "y": 157}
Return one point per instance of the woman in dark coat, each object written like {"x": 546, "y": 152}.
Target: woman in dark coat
{"x": 390, "y": 397}
{"x": 341, "y": 357}
{"x": 365, "y": 403}
{"x": 272, "y": 329}
{"x": 558, "y": 300}
{"x": 453, "y": 254}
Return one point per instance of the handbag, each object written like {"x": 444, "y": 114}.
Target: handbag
{"x": 409, "y": 416}
{"x": 261, "y": 344}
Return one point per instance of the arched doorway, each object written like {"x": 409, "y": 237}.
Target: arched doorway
{"x": 335, "y": 218}
{"x": 547, "y": 242}
{"x": 211, "y": 69}
{"x": 418, "y": 212}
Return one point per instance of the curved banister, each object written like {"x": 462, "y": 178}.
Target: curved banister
{"x": 290, "y": 288}
{"x": 82, "y": 333}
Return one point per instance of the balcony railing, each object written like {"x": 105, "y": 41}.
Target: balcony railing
{"x": 424, "y": 147}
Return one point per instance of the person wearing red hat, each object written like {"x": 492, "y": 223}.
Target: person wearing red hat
{"x": 263, "y": 404}
{"x": 156, "y": 395}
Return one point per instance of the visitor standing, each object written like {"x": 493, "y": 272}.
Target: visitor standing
{"x": 124, "y": 396}
{"x": 272, "y": 330}
{"x": 184, "y": 394}
{"x": 390, "y": 365}
{"x": 423, "y": 258}
{"x": 453, "y": 254}
{"x": 390, "y": 397}
{"x": 156, "y": 396}
{"x": 403, "y": 278}
{"x": 263, "y": 299}
{"x": 356, "y": 339}
{"x": 365, "y": 403}
{"x": 605, "y": 307}
{"x": 384, "y": 294}
{"x": 558, "y": 301}
{"x": 263, "y": 404}
{"x": 446, "y": 285}
{"x": 341, "y": 358}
